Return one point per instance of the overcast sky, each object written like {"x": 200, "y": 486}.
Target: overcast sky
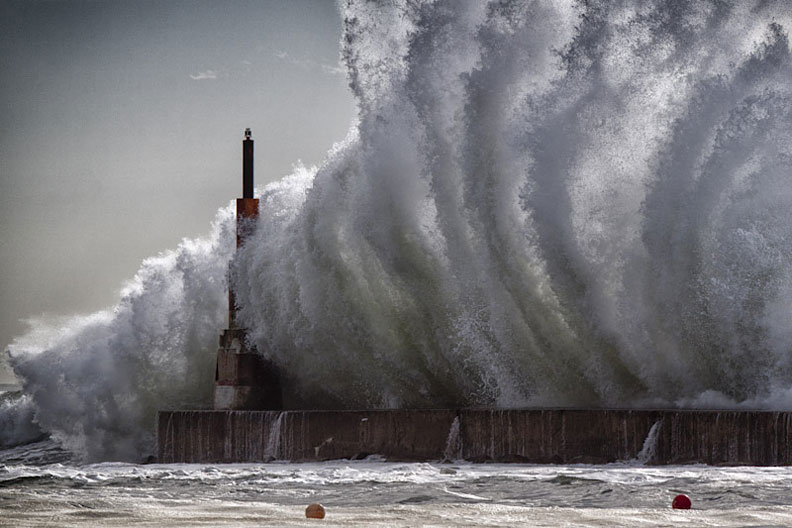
{"x": 121, "y": 125}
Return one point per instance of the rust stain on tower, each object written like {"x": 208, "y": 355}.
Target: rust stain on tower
{"x": 244, "y": 379}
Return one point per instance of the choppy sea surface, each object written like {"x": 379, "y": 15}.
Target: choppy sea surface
{"x": 41, "y": 486}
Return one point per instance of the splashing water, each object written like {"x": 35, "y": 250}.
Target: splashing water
{"x": 649, "y": 449}
{"x": 98, "y": 381}
{"x": 542, "y": 203}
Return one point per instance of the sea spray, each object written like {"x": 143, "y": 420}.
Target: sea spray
{"x": 17, "y": 420}
{"x": 98, "y": 382}
{"x": 542, "y": 203}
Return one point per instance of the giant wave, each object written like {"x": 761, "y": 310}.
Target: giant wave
{"x": 542, "y": 203}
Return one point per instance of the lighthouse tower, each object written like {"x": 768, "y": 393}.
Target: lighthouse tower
{"x": 243, "y": 378}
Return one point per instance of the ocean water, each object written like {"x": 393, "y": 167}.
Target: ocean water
{"x": 542, "y": 203}
{"x": 39, "y": 487}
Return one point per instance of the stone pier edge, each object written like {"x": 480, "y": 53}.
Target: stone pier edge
{"x": 561, "y": 436}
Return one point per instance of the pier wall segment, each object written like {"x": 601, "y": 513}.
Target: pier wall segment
{"x": 563, "y": 436}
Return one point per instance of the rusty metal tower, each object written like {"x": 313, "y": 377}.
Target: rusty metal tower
{"x": 243, "y": 378}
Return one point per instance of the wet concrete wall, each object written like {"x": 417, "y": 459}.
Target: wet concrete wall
{"x": 479, "y": 435}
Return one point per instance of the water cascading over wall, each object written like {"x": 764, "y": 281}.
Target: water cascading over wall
{"x": 542, "y": 203}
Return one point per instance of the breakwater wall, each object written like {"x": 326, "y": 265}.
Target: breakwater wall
{"x": 560, "y": 436}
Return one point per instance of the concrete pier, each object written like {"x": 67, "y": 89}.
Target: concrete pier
{"x": 560, "y": 436}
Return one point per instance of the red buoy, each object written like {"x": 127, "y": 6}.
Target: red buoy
{"x": 315, "y": 511}
{"x": 681, "y": 502}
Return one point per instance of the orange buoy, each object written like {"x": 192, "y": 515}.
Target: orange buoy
{"x": 315, "y": 511}
{"x": 681, "y": 502}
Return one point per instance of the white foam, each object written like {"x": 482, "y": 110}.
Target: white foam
{"x": 97, "y": 382}
{"x": 542, "y": 203}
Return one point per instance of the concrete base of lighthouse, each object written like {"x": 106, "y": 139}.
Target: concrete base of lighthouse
{"x": 244, "y": 380}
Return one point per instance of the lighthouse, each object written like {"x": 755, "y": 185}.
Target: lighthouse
{"x": 244, "y": 379}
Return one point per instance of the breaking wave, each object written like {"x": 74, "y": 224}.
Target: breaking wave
{"x": 97, "y": 381}
{"x": 542, "y": 203}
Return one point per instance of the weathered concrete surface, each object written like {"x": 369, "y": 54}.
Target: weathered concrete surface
{"x": 244, "y": 380}
{"x": 554, "y": 436}
{"x": 249, "y": 436}
{"x": 479, "y": 435}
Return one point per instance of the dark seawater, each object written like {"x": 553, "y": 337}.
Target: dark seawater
{"x": 37, "y": 492}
